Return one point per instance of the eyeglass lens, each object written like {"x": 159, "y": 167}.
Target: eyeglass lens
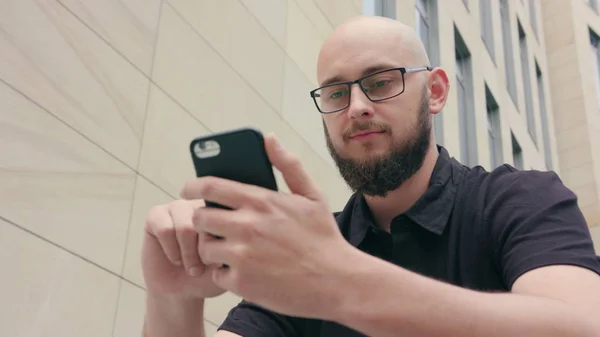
{"x": 377, "y": 87}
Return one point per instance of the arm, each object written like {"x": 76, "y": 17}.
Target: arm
{"x": 169, "y": 317}
{"x": 542, "y": 246}
{"x": 565, "y": 304}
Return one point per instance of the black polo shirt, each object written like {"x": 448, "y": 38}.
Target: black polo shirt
{"x": 472, "y": 228}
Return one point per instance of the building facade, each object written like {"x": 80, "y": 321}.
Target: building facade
{"x": 526, "y": 86}
{"x": 100, "y": 99}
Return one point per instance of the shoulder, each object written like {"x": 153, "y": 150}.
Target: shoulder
{"x": 530, "y": 189}
{"x": 531, "y": 220}
{"x": 505, "y": 186}
{"x": 345, "y": 213}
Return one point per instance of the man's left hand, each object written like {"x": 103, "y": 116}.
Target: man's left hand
{"x": 283, "y": 251}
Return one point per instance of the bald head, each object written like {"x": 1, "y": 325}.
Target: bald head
{"x": 369, "y": 41}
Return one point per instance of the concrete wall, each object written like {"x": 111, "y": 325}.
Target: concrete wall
{"x": 99, "y": 101}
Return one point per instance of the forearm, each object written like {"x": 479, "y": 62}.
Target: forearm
{"x": 384, "y": 300}
{"x": 173, "y": 318}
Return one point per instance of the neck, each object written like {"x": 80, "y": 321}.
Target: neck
{"x": 398, "y": 201}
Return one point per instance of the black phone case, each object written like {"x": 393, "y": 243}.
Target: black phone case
{"x": 242, "y": 157}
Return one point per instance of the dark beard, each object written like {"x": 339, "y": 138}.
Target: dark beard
{"x": 378, "y": 176}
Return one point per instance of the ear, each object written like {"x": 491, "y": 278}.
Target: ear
{"x": 439, "y": 86}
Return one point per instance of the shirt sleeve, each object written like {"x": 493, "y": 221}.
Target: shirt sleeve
{"x": 535, "y": 221}
{"x": 249, "y": 320}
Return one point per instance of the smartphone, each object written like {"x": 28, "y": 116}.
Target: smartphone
{"x": 238, "y": 155}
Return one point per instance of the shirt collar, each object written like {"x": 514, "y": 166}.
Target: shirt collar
{"x": 431, "y": 211}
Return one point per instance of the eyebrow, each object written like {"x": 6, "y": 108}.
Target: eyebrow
{"x": 367, "y": 71}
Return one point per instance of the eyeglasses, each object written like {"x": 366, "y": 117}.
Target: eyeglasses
{"x": 377, "y": 87}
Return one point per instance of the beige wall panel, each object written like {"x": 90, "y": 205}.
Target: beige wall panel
{"x": 272, "y": 15}
{"x": 569, "y": 114}
{"x": 240, "y": 39}
{"x": 299, "y": 110}
{"x": 337, "y": 11}
{"x": 209, "y": 329}
{"x": 592, "y": 216}
{"x": 587, "y": 195}
{"x": 129, "y": 26}
{"x": 130, "y": 311}
{"x": 48, "y": 292}
{"x": 595, "y": 231}
{"x": 314, "y": 15}
{"x": 578, "y": 176}
{"x": 52, "y": 58}
{"x": 166, "y": 158}
{"x": 59, "y": 185}
{"x": 146, "y": 196}
{"x": 576, "y": 157}
{"x": 573, "y": 138}
{"x": 199, "y": 79}
{"x": 321, "y": 171}
{"x": 303, "y": 43}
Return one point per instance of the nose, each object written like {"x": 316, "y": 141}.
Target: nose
{"x": 360, "y": 105}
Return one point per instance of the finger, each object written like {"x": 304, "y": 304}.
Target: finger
{"x": 223, "y": 223}
{"x": 214, "y": 251}
{"x": 225, "y": 192}
{"x": 187, "y": 237}
{"x": 296, "y": 178}
{"x": 160, "y": 225}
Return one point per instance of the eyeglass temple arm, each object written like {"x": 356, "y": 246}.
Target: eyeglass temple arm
{"x": 412, "y": 70}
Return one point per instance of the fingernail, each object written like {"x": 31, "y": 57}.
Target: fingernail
{"x": 194, "y": 271}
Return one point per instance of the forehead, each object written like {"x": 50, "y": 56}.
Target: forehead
{"x": 347, "y": 59}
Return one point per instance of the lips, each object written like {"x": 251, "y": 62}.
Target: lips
{"x": 365, "y": 133}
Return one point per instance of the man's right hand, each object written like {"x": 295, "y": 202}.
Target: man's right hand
{"x": 171, "y": 264}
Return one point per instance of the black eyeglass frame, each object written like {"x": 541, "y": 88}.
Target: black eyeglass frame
{"x": 403, "y": 70}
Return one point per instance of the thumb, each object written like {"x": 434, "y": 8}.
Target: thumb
{"x": 296, "y": 178}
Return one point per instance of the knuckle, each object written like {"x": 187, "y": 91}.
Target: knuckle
{"x": 313, "y": 210}
{"x": 163, "y": 233}
{"x": 249, "y": 231}
{"x": 153, "y": 215}
{"x": 208, "y": 185}
{"x": 185, "y": 232}
{"x": 261, "y": 202}
{"x": 189, "y": 256}
{"x": 240, "y": 253}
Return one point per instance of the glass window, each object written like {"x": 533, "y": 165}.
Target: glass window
{"x": 494, "y": 129}
{"x": 509, "y": 66}
{"x": 526, "y": 74}
{"x": 485, "y": 18}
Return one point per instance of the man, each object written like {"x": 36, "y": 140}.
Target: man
{"x": 424, "y": 247}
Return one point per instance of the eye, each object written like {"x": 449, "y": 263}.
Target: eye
{"x": 378, "y": 84}
{"x": 337, "y": 94}
{"x": 381, "y": 83}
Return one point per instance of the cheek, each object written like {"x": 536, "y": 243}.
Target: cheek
{"x": 332, "y": 126}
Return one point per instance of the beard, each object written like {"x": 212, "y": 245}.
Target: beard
{"x": 377, "y": 176}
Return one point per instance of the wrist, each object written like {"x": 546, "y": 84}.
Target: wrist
{"x": 349, "y": 283}
{"x": 174, "y": 316}
{"x": 362, "y": 285}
